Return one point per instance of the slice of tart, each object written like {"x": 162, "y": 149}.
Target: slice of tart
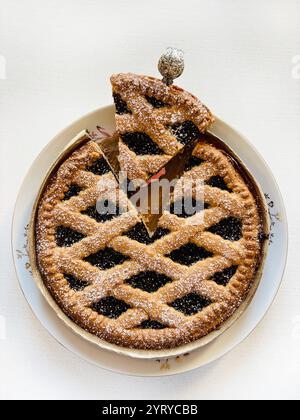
{"x": 154, "y": 122}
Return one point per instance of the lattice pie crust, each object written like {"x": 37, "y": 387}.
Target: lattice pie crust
{"x": 115, "y": 282}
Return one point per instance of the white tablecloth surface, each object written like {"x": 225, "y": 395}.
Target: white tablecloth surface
{"x": 56, "y": 57}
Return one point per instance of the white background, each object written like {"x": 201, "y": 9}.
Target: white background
{"x": 59, "y": 56}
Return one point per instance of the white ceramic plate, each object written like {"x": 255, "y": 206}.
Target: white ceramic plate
{"x": 263, "y": 299}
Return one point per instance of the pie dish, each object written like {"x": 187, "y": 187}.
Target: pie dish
{"x": 119, "y": 284}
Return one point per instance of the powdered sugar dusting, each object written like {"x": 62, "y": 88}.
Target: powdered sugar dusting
{"x": 196, "y": 279}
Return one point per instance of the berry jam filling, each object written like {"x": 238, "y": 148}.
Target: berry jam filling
{"x": 218, "y": 182}
{"x": 141, "y": 144}
{"x": 189, "y": 254}
{"x": 139, "y": 233}
{"x": 193, "y": 162}
{"x": 66, "y": 237}
{"x": 110, "y": 307}
{"x": 100, "y": 167}
{"x": 76, "y": 284}
{"x": 180, "y": 208}
{"x": 103, "y": 212}
{"x": 190, "y": 304}
{"x": 151, "y": 325}
{"x": 263, "y": 237}
{"x": 156, "y": 103}
{"x": 229, "y": 229}
{"x": 106, "y": 258}
{"x": 73, "y": 191}
{"x": 148, "y": 281}
{"x": 223, "y": 277}
{"x": 121, "y": 106}
{"x": 186, "y": 132}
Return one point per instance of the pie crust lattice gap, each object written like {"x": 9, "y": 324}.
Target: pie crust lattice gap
{"x": 137, "y": 292}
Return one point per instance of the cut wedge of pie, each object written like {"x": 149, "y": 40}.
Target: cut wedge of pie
{"x": 154, "y": 122}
